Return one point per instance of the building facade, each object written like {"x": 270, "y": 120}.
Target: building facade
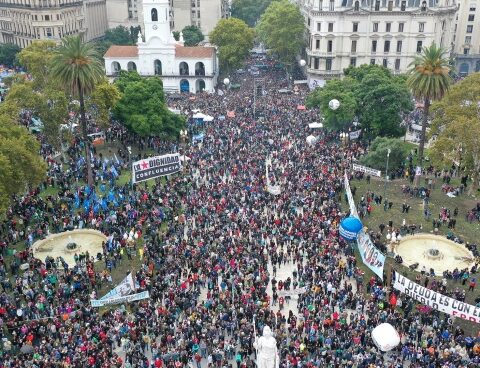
{"x": 182, "y": 69}
{"x": 204, "y": 14}
{"x": 391, "y": 33}
{"x": 467, "y": 37}
{"x": 125, "y": 13}
{"x": 23, "y": 21}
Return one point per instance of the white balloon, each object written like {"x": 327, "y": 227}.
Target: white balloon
{"x": 334, "y": 104}
{"x": 385, "y": 337}
{"x": 311, "y": 140}
{"x": 226, "y": 81}
{"x": 302, "y": 62}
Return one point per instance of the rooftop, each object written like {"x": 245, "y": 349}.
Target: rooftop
{"x": 198, "y": 52}
{"x": 121, "y": 51}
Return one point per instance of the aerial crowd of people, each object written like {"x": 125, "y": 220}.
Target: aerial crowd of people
{"x": 214, "y": 249}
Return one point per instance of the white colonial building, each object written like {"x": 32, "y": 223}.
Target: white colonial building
{"x": 386, "y": 32}
{"x": 182, "y": 69}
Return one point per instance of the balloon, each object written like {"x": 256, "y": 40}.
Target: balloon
{"x": 334, "y": 104}
{"x": 385, "y": 337}
{"x": 350, "y": 227}
{"x": 311, "y": 140}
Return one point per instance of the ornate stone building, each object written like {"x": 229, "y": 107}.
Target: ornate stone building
{"x": 467, "y": 37}
{"x": 22, "y": 21}
{"x": 386, "y": 32}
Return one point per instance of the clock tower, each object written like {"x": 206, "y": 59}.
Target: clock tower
{"x": 156, "y": 17}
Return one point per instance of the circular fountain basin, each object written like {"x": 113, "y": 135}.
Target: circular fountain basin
{"x": 69, "y": 243}
{"x": 433, "y": 251}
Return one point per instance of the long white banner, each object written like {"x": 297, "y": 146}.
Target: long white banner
{"x": 436, "y": 300}
{"x": 371, "y": 256}
{"x": 120, "y": 299}
{"x": 366, "y": 170}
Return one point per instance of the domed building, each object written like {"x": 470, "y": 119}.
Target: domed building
{"x": 385, "y": 32}
{"x": 182, "y": 68}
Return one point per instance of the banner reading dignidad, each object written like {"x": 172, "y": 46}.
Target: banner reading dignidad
{"x": 154, "y": 167}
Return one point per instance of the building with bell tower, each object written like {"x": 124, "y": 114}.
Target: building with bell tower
{"x": 181, "y": 68}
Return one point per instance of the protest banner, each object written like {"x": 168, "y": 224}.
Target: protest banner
{"x": 154, "y": 167}
{"x": 367, "y": 170}
{"x": 120, "y": 299}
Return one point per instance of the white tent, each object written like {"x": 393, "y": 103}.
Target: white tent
{"x": 315, "y": 125}
{"x": 385, "y": 337}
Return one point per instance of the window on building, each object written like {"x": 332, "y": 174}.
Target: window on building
{"x": 355, "y": 27}
{"x": 473, "y": 9}
{"x": 357, "y": 6}
{"x": 330, "y": 27}
{"x": 374, "y": 46}
{"x": 329, "y": 46}
{"x": 49, "y": 32}
{"x": 386, "y": 46}
{"x": 328, "y": 64}
{"x": 332, "y": 5}
{"x": 353, "y": 48}
{"x": 47, "y": 17}
{"x": 316, "y": 63}
{"x": 372, "y": 61}
{"x": 403, "y": 5}
{"x": 375, "y": 27}
{"x": 399, "y": 46}
{"x": 377, "y": 5}
{"x": 468, "y": 40}
{"x": 388, "y": 27}
{"x": 466, "y": 51}
{"x": 390, "y": 5}
{"x": 397, "y": 64}
{"x": 424, "y": 6}
{"x": 421, "y": 27}
{"x": 469, "y": 29}
{"x": 154, "y": 15}
{"x": 319, "y": 27}
{"x": 317, "y": 44}
{"x": 400, "y": 27}
{"x": 385, "y": 63}
{"x": 308, "y": 21}
{"x": 130, "y": 14}
{"x": 471, "y": 17}
{"x": 419, "y": 46}
{"x": 353, "y": 61}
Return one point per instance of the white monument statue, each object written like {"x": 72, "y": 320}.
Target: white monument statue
{"x": 266, "y": 346}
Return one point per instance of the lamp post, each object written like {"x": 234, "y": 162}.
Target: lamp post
{"x": 386, "y": 176}
{"x": 129, "y": 149}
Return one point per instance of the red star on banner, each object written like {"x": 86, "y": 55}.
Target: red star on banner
{"x": 144, "y": 165}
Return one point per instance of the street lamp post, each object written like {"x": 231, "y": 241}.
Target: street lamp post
{"x": 386, "y": 176}
{"x": 183, "y": 138}
{"x": 129, "y": 149}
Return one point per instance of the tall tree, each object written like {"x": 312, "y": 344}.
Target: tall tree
{"x": 20, "y": 164}
{"x": 192, "y": 35}
{"x": 77, "y": 67}
{"x": 377, "y": 155}
{"x": 8, "y": 54}
{"x": 249, "y": 10}
{"x": 282, "y": 28}
{"x": 456, "y": 125}
{"x": 142, "y": 107}
{"x": 429, "y": 80}
{"x": 234, "y": 40}
{"x": 36, "y": 58}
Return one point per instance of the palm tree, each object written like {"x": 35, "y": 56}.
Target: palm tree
{"x": 429, "y": 80}
{"x": 77, "y": 67}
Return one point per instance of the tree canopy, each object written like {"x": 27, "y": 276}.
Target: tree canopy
{"x": 377, "y": 156}
{"x": 249, "y": 10}
{"x": 37, "y": 58}
{"x": 456, "y": 126}
{"x": 20, "y": 164}
{"x": 369, "y": 92}
{"x": 234, "y": 40}
{"x": 192, "y": 35}
{"x": 142, "y": 107}
{"x": 8, "y": 54}
{"x": 282, "y": 29}
{"x": 119, "y": 35}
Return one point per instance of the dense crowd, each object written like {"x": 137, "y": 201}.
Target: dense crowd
{"x": 215, "y": 250}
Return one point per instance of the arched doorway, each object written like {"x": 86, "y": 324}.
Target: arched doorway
{"x": 199, "y": 68}
{"x": 157, "y": 66}
{"x": 200, "y": 85}
{"x": 131, "y": 66}
{"x": 154, "y": 14}
{"x": 116, "y": 67}
{"x": 464, "y": 68}
{"x": 183, "y": 68}
{"x": 477, "y": 66}
{"x": 184, "y": 86}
